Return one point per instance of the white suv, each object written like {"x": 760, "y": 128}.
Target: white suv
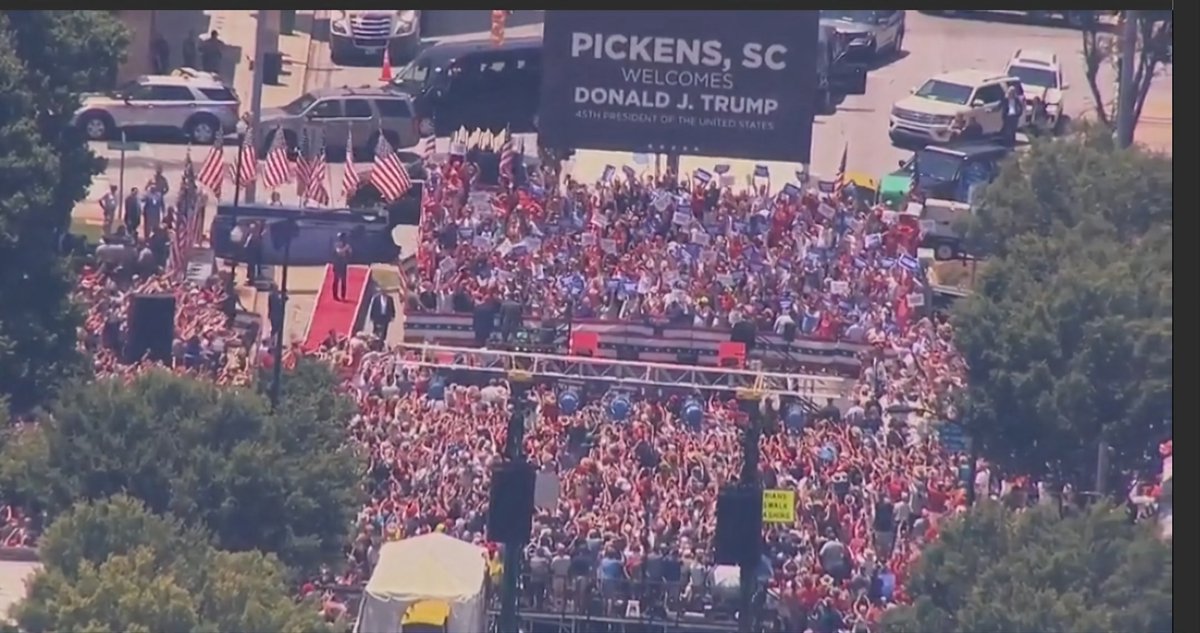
{"x": 968, "y": 96}
{"x": 198, "y": 104}
{"x": 1042, "y": 78}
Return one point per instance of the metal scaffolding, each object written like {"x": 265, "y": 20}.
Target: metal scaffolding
{"x": 617, "y": 373}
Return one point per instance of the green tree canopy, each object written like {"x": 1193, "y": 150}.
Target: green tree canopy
{"x": 1068, "y": 336}
{"x": 47, "y": 59}
{"x": 213, "y": 456}
{"x": 114, "y": 566}
{"x": 996, "y": 571}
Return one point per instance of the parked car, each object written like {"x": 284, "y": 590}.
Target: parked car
{"x": 196, "y": 104}
{"x": 837, "y": 74}
{"x": 1041, "y": 78}
{"x": 338, "y": 114}
{"x": 363, "y": 35}
{"x": 940, "y": 106}
{"x": 870, "y": 34}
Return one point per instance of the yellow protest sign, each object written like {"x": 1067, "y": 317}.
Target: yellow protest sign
{"x": 779, "y": 506}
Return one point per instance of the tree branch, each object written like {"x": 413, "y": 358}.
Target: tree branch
{"x": 1154, "y": 37}
{"x": 1094, "y": 54}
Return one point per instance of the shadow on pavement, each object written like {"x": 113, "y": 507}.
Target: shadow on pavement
{"x": 884, "y": 61}
{"x": 1017, "y": 18}
{"x": 175, "y": 25}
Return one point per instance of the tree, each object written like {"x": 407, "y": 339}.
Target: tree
{"x": 114, "y": 566}
{"x": 996, "y": 570}
{"x": 1068, "y": 337}
{"x": 1101, "y": 48}
{"x": 1059, "y": 184}
{"x": 47, "y": 59}
{"x": 213, "y": 456}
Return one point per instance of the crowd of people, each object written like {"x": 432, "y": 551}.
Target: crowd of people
{"x": 638, "y": 248}
{"x": 637, "y": 502}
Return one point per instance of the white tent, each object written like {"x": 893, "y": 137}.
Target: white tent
{"x": 428, "y": 567}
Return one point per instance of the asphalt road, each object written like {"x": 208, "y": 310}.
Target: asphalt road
{"x": 934, "y": 44}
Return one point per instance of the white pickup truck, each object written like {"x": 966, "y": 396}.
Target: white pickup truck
{"x": 365, "y": 34}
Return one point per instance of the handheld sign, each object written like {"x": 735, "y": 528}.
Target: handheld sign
{"x": 779, "y": 506}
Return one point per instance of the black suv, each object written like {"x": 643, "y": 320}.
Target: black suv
{"x": 475, "y": 84}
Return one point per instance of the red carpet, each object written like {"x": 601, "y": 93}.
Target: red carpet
{"x": 339, "y": 316}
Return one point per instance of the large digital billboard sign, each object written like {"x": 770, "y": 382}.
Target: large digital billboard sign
{"x": 711, "y": 83}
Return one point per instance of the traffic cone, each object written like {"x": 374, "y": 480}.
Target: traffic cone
{"x": 385, "y": 73}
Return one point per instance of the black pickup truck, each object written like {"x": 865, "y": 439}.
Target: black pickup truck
{"x": 837, "y": 74}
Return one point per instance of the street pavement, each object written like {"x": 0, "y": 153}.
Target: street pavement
{"x": 934, "y": 44}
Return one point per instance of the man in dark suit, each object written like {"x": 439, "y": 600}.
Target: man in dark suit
{"x": 275, "y": 311}
{"x": 382, "y": 313}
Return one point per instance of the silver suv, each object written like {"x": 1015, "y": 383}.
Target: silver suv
{"x": 195, "y": 103}
{"x": 337, "y": 114}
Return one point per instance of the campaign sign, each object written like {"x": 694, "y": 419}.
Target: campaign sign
{"x": 707, "y": 83}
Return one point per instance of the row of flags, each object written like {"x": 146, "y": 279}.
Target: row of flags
{"x": 503, "y": 144}
{"x": 703, "y": 176}
{"x": 388, "y": 173}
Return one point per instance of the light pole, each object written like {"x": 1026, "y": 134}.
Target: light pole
{"x": 1125, "y": 87}
{"x": 518, "y": 384}
{"x": 262, "y": 46}
{"x": 237, "y": 196}
{"x": 750, "y": 403}
{"x": 282, "y": 231}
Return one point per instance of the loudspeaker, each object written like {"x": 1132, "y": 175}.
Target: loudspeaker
{"x": 688, "y": 357}
{"x": 627, "y": 352}
{"x": 738, "y": 538}
{"x": 510, "y": 503}
{"x": 151, "y": 327}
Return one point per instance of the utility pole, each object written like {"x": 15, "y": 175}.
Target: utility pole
{"x": 518, "y": 397}
{"x": 287, "y": 232}
{"x": 1125, "y": 87}
{"x": 262, "y": 45}
{"x": 750, "y": 403}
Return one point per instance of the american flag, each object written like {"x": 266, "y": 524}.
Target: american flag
{"x": 278, "y": 170}
{"x": 184, "y": 236}
{"x": 388, "y": 174}
{"x": 212, "y": 172}
{"x": 317, "y": 176}
{"x": 303, "y": 165}
{"x": 247, "y": 161}
{"x": 508, "y": 156}
{"x": 350, "y": 181}
{"x": 839, "y": 181}
{"x": 428, "y": 148}
{"x": 177, "y": 265}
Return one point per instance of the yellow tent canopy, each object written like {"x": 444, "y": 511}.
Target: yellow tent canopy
{"x": 427, "y": 612}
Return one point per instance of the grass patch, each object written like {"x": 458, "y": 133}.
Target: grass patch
{"x": 91, "y": 232}
{"x": 958, "y": 274}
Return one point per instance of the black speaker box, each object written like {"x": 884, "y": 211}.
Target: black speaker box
{"x": 151, "y": 327}
{"x": 738, "y": 538}
{"x": 627, "y": 352}
{"x": 510, "y": 503}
